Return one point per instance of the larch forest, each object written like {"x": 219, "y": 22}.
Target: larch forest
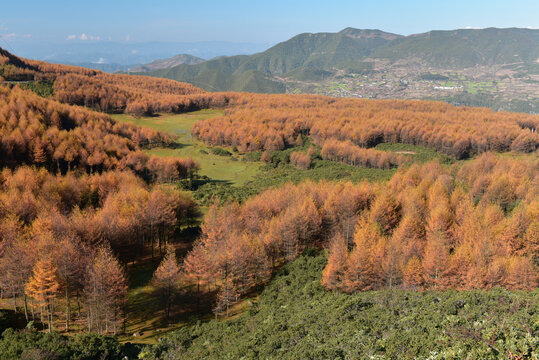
{"x": 365, "y": 228}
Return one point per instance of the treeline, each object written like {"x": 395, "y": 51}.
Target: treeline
{"x": 138, "y": 95}
{"x": 429, "y": 227}
{"x": 273, "y": 122}
{"x": 13, "y": 68}
{"x": 112, "y": 93}
{"x": 348, "y": 153}
{"x": 61, "y": 235}
{"x": 424, "y": 231}
{"x": 60, "y": 137}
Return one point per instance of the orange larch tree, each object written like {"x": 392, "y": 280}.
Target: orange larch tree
{"x": 166, "y": 279}
{"x": 43, "y": 287}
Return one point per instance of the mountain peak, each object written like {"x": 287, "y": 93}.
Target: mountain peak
{"x": 368, "y": 33}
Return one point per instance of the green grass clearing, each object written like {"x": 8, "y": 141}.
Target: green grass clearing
{"x": 419, "y": 154}
{"x": 218, "y": 168}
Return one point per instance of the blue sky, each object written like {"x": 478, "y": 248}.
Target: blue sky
{"x": 246, "y": 21}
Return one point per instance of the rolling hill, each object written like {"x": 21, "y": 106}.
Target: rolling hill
{"x": 168, "y": 63}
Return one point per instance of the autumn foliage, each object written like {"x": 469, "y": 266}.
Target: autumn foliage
{"x": 166, "y": 279}
{"x": 78, "y": 225}
{"x": 273, "y": 122}
{"x": 348, "y": 153}
{"x": 62, "y": 137}
{"x": 429, "y": 227}
{"x": 138, "y": 95}
{"x": 79, "y": 199}
{"x": 300, "y": 160}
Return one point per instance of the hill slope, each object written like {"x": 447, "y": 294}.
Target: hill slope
{"x": 322, "y": 50}
{"x": 465, "y": 48}
{"x": 491, "y": 67}
{"x": 295, "y": 318}
{"x": 168, "y": 63}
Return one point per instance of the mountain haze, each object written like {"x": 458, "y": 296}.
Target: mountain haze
{"x": 168, "y": 63}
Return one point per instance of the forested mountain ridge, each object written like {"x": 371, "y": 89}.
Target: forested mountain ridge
{"x": 325, "y": 51}
{"x": 490, "y": 67}
{"x": 465, "y": 47}
{"x": 316, "y": 51}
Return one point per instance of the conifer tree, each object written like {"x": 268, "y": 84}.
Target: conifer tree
{"x": 43, "y": 286}
{"x": 105, "y": 291}
{"x": 165, "y": 279}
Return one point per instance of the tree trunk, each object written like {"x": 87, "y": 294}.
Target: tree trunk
{"x": 68, "y": 310}
{"x": 25, "y": 307}
{"x": 151, "y": 236}
{"x": 49, "y": 316}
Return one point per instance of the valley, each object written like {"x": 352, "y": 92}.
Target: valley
{"x": 501, "y": 87}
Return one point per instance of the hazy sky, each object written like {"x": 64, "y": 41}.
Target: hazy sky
{"x": 54, "y": 21}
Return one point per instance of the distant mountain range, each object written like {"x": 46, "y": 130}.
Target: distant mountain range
{"x": 316, "y": 57}
{"x": 168, "y": 63}
{"x": 126, "y": 54}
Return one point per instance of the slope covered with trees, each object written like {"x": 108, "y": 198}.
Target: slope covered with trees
{"x": 61, "y": 137}
{"x": 81, "y": 203}
{"x": 79, "y": 199}
{"x": 59, "y": 234}
{"x": 429, "y": 227}
{"x": 140, "y": 95}
{"x": 323, "y": 55}
{"x": 274, "y": 122}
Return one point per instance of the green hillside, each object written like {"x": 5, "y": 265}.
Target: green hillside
{"x": 295, "y": 318}
{"x": 317, "y": 57}
{"x": 465, "y": 48}
{"x": 322, "y": 51}
{"x": 319, "y": 51}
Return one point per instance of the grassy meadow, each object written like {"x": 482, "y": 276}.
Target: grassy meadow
{"x": 216, "y": 167}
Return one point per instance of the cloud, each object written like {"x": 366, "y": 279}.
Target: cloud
{"x": 101, "y": 61}
{"x": 84, "y": 37}
{"x": 134, "y": 52}
{"x": 27, "y": 35}
{"x": 10, "y": 35}
{"x": 128, "y": 38}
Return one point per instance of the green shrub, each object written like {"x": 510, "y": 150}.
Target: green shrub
{"x": 295, "y": 318}
{"x": 220, "y": 152}
{"x": 32, "y": 344}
